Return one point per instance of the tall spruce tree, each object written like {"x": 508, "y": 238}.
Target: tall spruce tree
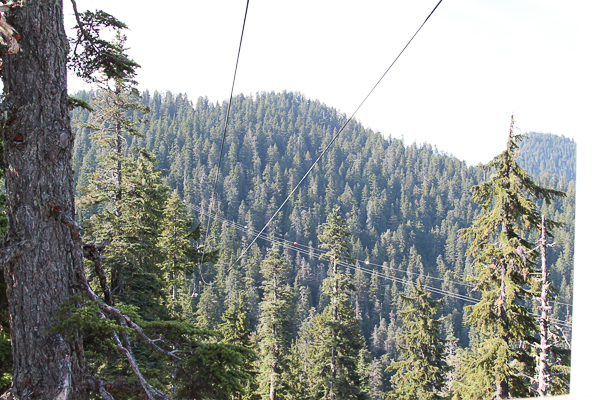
{"x": 177, "y": 252}
{"x": 236, "y": 331}
{"x": 337, "y": 341}
{"x": 274, "y": 323}
{"x": 504, "y": 260}
{"x": 113, "y": 123}
{"x": 420, "y": 371}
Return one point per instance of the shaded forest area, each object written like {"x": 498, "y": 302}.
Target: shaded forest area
{"x": 404, "y": 204}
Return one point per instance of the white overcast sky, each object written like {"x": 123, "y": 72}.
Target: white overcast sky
{"x": 473, "y": 65}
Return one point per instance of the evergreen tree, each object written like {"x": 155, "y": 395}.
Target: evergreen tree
{"x": 504, "y": 261}
{"x": 128, "y": 192}
{"x": 210, "y": 307}
{"x": 176, "y": 249}
{"x": 131, "y": 226}
{"x": 274, "y": 323}
{"x": 236, "y": 331}
{"x": 334, "y": 353}
{"x": 420, "y": 371}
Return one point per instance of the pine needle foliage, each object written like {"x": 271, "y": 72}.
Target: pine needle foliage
{"x": 504, "y": 261}
{"x": 91, "y": 54}
{"x": 177, "y": 253}
{"x": 235, "y": 330}
{"x": 273, "y": 330}
{"x": 420, "y": 371}
{"x": 334, "y": 353}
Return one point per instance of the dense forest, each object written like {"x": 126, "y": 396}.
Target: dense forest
{"x": 149, "y": 252}
{"x": 404, "y": 205}
{"x": 544, "y": 153}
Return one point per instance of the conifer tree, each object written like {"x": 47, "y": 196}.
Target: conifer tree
{"x": 127, "y": 191}
{"x": 131, "y": 226}
{"x": 236, "y": 331}
{"x": 420, "y": 371}
{"x": 334, "y": 353}
{"x": 504, "y": 260}
{"x": 274, "y": 323}
{"x": 177, "y": 251}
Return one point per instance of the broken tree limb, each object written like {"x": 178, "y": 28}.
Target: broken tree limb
{"x": 93, "y": 252}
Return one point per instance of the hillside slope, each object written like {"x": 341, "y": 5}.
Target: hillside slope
{"x": 544, "y": 153}
{"x": 405, "y": 203}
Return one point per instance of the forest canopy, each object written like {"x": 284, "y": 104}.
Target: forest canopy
{"x": 405, "y": 206}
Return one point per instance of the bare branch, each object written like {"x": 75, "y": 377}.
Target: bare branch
{"x": 559, "y": 373}
{"x": 148, "y": 389}
{"x": 81, "y": 26}
{"x": 93, "y": 252}
{"x": 563, "y": 336}
{"x": 100, "y": 385}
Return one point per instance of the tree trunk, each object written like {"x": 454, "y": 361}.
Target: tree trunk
{"x": 542, "y": 374}
{"x": 502, "y": 385}
{"x": 272, "y": 393}
{"x": 334, "y": 329}
{"x": 38, "y": 145}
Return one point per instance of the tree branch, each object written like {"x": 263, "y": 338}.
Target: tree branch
{"x": 107, "y": 311}
{"x": 93, "y": 252}
{"x": 102, "y": 386}
{"x": 81, "y": 27}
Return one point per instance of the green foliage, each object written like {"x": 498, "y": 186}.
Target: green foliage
{"x": 127, "y": 195}
{"x": 404, "y": 206}
{"x": 90, "y": 53}
{"x": 546, "y": 154}
{"x": 131, "y": 225}
{"x": 334, "y": 353}
{"x": 214, "y": 371}
{"x": 175, "y": 248}
{"x": 420, "y": 370}
{"x": 210, "y": 307}
{"x": 504, "y": 260}
{"x": 235, "y": 330}
{"x": 273, "y": 329}
{"x": 334, "y": 238}
{"x": 74, "y": 102}
{"x": 79, "y": 314}
{"x": 341, "y": 375}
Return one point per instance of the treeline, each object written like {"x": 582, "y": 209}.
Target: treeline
{"x": 544, "y": 153}
{"x": 405, "y": 206}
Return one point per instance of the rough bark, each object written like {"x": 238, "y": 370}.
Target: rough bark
{"x": 38, "y": 145}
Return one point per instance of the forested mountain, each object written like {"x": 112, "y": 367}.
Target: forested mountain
{"x": 404, "y": 205}
{"x": 544, "y": 153}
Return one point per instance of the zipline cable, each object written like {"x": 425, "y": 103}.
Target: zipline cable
{"x": 212, "y": 197}
{"x": 313, "y": 252}
{"x": 334, "y": 138}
